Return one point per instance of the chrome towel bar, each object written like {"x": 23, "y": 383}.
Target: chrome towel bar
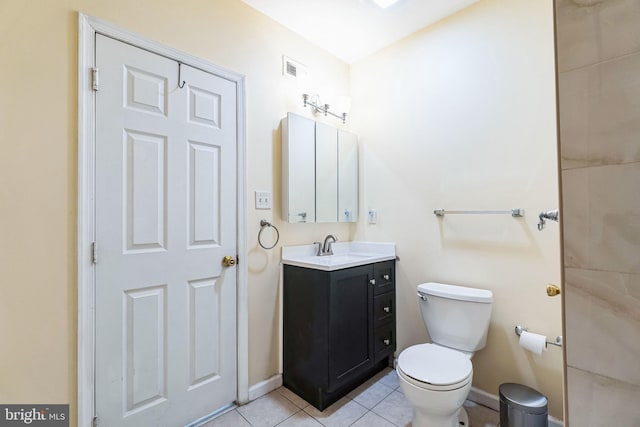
{"x": 516, "y": 212}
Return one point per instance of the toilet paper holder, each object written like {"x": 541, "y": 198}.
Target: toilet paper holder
{"x": 557, "y": 342}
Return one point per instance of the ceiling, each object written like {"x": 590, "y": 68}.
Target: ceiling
{"x": 353, "y": 29}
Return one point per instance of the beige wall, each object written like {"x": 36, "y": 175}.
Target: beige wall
{"x": 462, "y": 116}
{"x": 599, "y": 96}
{"x": 38, "y": 191}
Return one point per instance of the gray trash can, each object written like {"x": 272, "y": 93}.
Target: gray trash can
{"x": 522, "y": 406}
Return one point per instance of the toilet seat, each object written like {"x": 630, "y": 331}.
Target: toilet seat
{"x": 433, "y": 367}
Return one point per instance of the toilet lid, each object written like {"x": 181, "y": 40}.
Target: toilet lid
{"x": 435, "y": 365}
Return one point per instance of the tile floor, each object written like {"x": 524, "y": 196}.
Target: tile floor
{"x": 377, "y": 403}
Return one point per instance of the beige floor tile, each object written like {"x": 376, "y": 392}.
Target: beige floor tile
{"x": 277, "y": 409}
{"x": 370, "y": 393}
{"x": 269, "y": 410}
{"x": 294, "y": 398}
{"x": 372, "y": 420}
{"x": 396, "y": 409}
{"x": 341, "y": 414}
{"x": 389, "y": 377}
{"x": 229, "y": 419}
{"x": 300, "y": 419}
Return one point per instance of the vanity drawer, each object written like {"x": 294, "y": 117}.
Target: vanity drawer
{"x": 384, "y": 308}
{"x": 384, "y": 339}
{"x": 384, "y": 276}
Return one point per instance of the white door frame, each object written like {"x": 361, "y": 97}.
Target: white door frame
{"x": 88, "y": 27}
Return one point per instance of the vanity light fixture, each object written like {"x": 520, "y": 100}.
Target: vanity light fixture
{"x": 313, "y": 102}
{"x": 385, "y": 3}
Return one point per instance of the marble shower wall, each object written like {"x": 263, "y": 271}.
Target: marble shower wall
{"x": 599, "y": 101}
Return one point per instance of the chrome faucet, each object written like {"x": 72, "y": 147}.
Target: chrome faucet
{"x": 326, "y": 246}
{"x": 319, "y": 251}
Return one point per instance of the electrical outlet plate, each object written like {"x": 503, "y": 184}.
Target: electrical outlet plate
{"x": 373, "y": 216}
{"x": 263, "y": 200}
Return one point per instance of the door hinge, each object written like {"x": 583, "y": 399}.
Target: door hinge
{"x": 95, "y": 81}
{"x": 94, "y": 422}
{"x": 94, "y": 252}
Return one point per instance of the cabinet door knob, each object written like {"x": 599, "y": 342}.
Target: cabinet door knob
{"x": 372, "y": 281}
{"x": 386, "y": 277}
{"x": 387, "y": 309}
{"x": 386, "y": 342}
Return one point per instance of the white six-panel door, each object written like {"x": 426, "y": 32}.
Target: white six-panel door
{"x": 165, "y": 203}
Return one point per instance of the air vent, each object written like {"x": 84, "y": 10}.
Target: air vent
{"x": 291, "y": 68}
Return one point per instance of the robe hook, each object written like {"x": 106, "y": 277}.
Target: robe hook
{"x": 180, "y": 85}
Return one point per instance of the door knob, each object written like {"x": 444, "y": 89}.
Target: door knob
{"x": 552, "y": 290}
{"x": 228, "y": 261}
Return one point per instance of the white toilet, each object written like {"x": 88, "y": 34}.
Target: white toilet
{"x": 436, "y": 378}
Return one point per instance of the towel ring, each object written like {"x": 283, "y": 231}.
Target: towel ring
{"x": 266, "y": 224}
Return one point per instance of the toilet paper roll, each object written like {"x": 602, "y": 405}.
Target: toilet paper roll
{"x": 535, "y": 343}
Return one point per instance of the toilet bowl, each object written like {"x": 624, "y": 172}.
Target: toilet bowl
{"x": 436, "y": 377}
{"x": 436, "y": 381}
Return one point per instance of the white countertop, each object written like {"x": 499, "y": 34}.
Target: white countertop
{"x": 345, "y": 255}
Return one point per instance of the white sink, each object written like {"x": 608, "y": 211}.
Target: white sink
{"x": 345, "y": 255}
{"x": 335, "y": 260}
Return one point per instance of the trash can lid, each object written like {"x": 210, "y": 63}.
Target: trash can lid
{"x": 524, "y": 398}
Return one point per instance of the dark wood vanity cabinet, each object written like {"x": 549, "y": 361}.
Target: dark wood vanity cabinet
{"x": 339, "y": 328}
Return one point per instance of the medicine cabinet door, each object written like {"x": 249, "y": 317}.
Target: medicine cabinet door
{"x": 347, "y": 176}
{"x": 326, "y": 173}
{"x": 298, "y": 170}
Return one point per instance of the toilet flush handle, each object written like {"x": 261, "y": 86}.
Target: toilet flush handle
{"x": 422, "y": 297}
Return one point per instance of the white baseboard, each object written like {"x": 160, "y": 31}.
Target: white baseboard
{"x": 492, "y": 401}
{"x": 264, "y": 387}
{"x": 483, "y": 398}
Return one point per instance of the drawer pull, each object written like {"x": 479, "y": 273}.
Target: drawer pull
{"x": 387, "y": 309}
{"x": 386, "y": 277}
{"x": 372, "y": 281}
{"x": 386, "y": 341}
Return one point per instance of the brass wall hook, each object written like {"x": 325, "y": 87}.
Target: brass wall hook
{"x": 552, "y": 290}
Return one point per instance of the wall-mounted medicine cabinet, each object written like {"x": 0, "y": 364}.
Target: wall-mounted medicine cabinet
{"x": 319, "y": 172}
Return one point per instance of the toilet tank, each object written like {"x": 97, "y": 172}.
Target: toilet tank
{"x": 456, "y": 316}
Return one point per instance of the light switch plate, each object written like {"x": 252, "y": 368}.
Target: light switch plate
{"x": 263, "y": 200}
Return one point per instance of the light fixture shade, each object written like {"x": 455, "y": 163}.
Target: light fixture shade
{"x": 384, "y": 3}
